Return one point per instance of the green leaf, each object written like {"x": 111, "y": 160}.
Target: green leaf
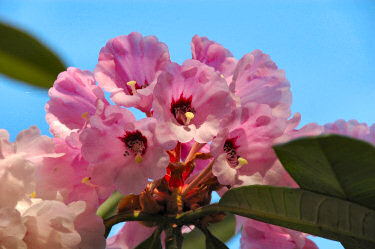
{"x": 109, "y": 207}
{"x": 22, "y": 57}
{"x": 153, "y": 242}
{"x": 305, "y": 211}
{"x": 346, "y": 246}
{"x": 333, "y": 165}
{"x": 211, "y": 241}
{"x": 223, "y": 230}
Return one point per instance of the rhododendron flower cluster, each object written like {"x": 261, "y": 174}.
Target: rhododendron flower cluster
{"x": 209, "y": 125}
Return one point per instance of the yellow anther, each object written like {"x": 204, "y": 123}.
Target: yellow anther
{"x": 189, "y": 116}
{"x": 222, "y": 75}
{"x": 132, "y": 84}
{"x": 84, "y": 116}
{"x": 87, "y": 180}
{"x": 33, "y": 194}
{"x": 138, "y": 158}
{"x": 241, "y": 162}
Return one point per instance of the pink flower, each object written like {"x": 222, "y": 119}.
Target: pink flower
{"x": 351, "y": 128}
{"x": 74, "y": 98}
{"x": 128, "y": 67}
{"x": 19, "y": 160}
{"x": 33, "y": 222}
{"x": 278, "y": 176}
{"x": 12, "y": 229}
{"x": 50, "y": 224}
{"x": 123, "y": 151}
{"x": 257, "y": 79}
{"x": 291, "y": 131}
{"x": 259, "y": 235}
{"x": 213, "y": 55}
{"x": 69, "y": 177}
{"x": 192, "y": 100}
{"x": 246, "y": 147}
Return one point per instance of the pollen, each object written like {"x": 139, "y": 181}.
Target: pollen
{"x": 138, "y": 158}
{"x": 222, "y": 75}
{"x": 241, "y": 162}
{"x": 84, "y": 116}
{"x": 33, "y": 194}
{"x": 132, "y": 84}
{"x": 87, "y": 180}
{"x": 189, "y": 116}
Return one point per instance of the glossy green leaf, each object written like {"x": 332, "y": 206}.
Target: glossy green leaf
{"x": 223, "y": 231}
{"x": 152, "y": 242}
{"x": 333, "y": 165}
{"x": 305, "y": 211}
{"x": 24, "y": 58}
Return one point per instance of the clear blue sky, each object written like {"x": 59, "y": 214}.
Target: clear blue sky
{"x": 327, "y": 48}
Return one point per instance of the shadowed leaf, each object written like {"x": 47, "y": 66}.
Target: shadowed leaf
{"x": 305, "y": 211}
{"x": 332, "y": 165}
{"x": 223, "y": 231}
{"x": 153, "y": 242}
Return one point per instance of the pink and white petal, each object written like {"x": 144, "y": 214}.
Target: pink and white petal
{"x": 104, "y": 173}
{"x": 97, "y": 146}
{"x": 6, "y": 147}
{"x": 130, "y": 236}
{"x": 12, "y": 229}
{"x": 131, "y": 179}
{"x": 164, "y": 137}
{"x": 213, "y": 54}
{"x": 259, "y": 235}
{"x": 246, "y": 180}
{"x": 225, "y": 174}
{"x": 90, "y": 227}
{"x": 155, "y": 163}
{"x": 183, "y": 133}
{"x": 257, "y": 79}
{"x": 130, "y": 58}
{"x": 16, "y": 179}
{"x": 30, "y": 141}
{"x": 74, "y": 93}
{"x": 207, "y": 130}
{"x": 278, "y": 176}
{"x": 350, "y": 128}
{"x": 50, "y": 224}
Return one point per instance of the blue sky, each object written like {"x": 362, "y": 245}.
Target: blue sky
{"x": 327, "y": 48}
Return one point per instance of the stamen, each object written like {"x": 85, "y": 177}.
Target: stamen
{"x": 86, "y": 181}
{"x": 241, "y": 162}
{"x": 84, "y": 116}
{"x": 189, "y": 116}
{"x": 222, "y": 75}
{"x": 138, "y": 158}
{"x": 132, "y": 84}
{"x": 33, "y": 194}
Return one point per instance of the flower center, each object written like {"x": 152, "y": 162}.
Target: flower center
{"x": 182, "y": 110}
{"x": 230, "y": 148}
{"x": 135, "y": 143}
{"x": 234, "y": 160}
